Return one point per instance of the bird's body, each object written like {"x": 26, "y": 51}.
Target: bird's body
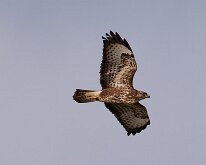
{"x": 116, "y": 77}
{"x": 119, "y": 95}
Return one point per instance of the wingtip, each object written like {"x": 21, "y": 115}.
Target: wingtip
{"x": 115, "y": 38}
{"x": 133, "y": 133}
{"x": 111, "y": 33}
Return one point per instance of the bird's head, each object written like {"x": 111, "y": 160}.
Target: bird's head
{"x": 142, "y": 95}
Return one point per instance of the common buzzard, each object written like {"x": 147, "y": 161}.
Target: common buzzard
{"x": 116, "y": 77}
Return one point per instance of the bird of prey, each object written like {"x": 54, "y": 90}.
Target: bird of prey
{"x": 116, "y": 78}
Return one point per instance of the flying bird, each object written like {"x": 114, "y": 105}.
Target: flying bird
{"x": 116, "y": 78}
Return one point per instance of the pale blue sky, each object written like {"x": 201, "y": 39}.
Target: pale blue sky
{"x": 49, "y": 48}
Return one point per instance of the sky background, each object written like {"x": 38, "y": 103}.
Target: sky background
{"x": 49, "y": 48}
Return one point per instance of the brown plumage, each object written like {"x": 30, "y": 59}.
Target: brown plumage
{"x": 116, "y": 78}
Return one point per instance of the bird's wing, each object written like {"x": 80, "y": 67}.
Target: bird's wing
{"x": 118, "y": 64}
{"x": 133, "y": 117}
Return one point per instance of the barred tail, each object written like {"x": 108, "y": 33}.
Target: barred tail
{"x": 85, "y": 96}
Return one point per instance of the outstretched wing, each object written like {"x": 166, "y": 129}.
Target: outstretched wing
{"x": 118, "y": 64}
{"x": 133, "y": 117}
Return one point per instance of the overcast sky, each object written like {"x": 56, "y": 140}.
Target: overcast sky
{"x": 48, "y": 48}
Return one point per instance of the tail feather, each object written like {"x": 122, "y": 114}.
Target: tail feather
{"x": 85, "y": 96}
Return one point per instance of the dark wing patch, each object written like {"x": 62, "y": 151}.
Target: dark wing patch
{"x": 118, "y": 64}
{"x": 133, "y": 117}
